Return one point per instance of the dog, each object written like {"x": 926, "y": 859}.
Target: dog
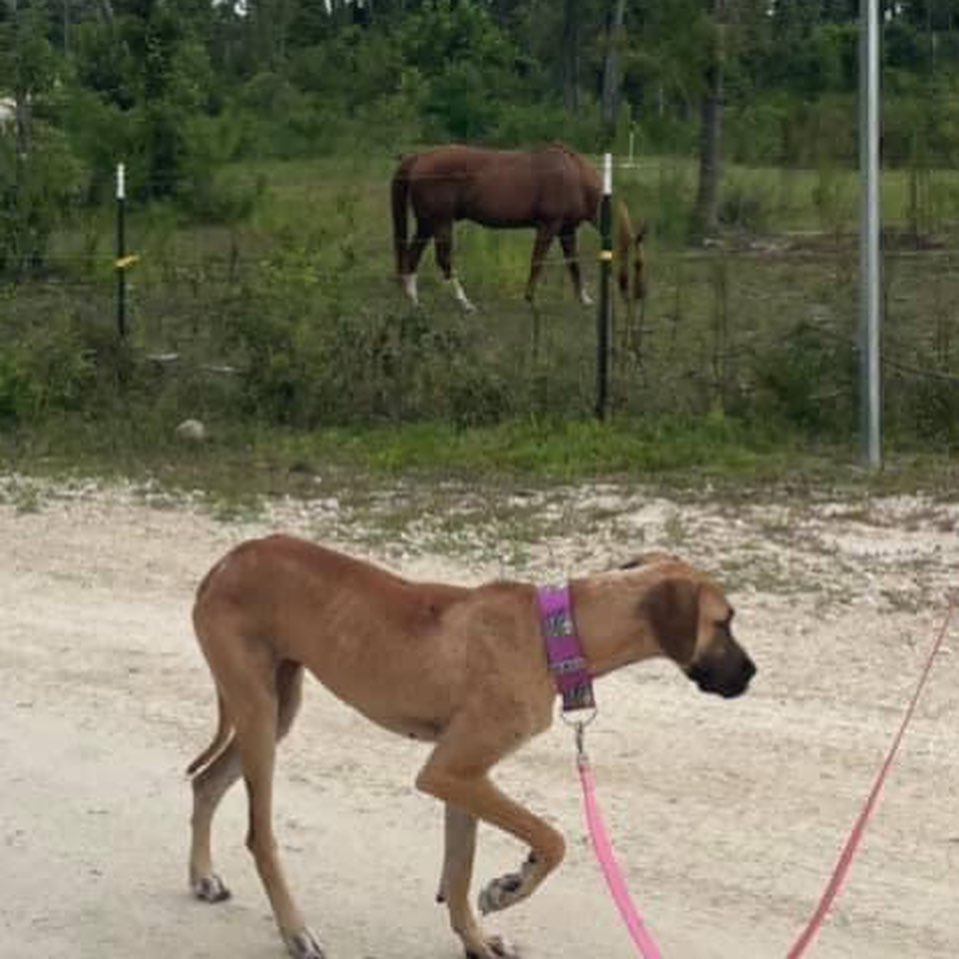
{"x": 462, "y": 668}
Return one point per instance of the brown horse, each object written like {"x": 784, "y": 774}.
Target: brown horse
{"x": 552, "y": 189}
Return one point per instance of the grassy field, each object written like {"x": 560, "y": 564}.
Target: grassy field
{"x": 287, "y": 335}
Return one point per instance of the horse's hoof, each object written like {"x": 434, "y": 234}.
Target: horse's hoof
{"x": 304, "y": 946}
{"x": 211, "y": 889}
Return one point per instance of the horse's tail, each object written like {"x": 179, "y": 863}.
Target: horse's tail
{"x": 400, "y": 191}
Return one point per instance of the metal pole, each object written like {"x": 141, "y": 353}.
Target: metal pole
{"x": 604, "y": 315}
{"x": 869, "y": 263}
{"x": 121, "y": 252}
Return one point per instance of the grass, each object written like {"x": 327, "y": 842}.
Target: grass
{"x": 239, "y": 464}
{"x": 727, "y": 394}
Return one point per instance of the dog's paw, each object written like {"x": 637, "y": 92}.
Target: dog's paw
{"x": 303, "y": 945}
{"x": 496, "y": 948}
{"x": 211, "y": 889}
{"x": 500, "y": 893}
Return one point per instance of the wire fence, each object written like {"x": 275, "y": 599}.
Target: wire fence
{"x": 758, "y": 327}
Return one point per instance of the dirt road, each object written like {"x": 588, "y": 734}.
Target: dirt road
{"x": 727, "y": 816}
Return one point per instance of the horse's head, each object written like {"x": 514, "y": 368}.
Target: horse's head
{"x": 632, "y": 258}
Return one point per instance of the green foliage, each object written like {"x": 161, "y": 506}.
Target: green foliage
{"x": 931, "y": 412}
{"x": 306, "y": 370}
{"x": 36, "y": 196}
{"x": 143, "y": 92}
{"x": 46, "y": 371}
{"x": 466, "y": 64}
{"x": 757, "y": 131}
{"x": 181, "y": 90}
{"x": 745, "y": 206}
{"x": 808, "y": 381}
{"x": 176, "y": 89}
{"x": 665, "y": 209}
{"x": 28, "y": 62}
{"x": 921, "y": 127}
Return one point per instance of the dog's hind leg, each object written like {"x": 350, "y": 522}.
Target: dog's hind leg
{"x": 256, "y": 712}
{"x": 213, "y": 781}
{"x": 209, "y": 787}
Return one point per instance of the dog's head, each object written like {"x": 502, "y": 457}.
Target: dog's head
{"x": 690, "y": 620}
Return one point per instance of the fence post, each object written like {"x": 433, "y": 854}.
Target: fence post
{"x": 604, "y": 316}
{"x": 869, "y": 260}
{"x": 121, "y": 264}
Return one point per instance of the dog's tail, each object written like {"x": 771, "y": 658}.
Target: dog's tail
{"x": 224, "y": 733}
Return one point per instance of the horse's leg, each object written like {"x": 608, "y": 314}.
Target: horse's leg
{"x": 444, "y": 258}
{"x": 544, "y": 236}
{"x": 423, "y": 235}
{"x": 567, "y": 238}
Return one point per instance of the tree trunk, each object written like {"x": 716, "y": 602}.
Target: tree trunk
{"x": 706, "y": 217}
{"x": 612, "y": 80}
{"x": 21, "y": 119}
{"x": 21, "y": 102}
{"x": 571, "y": 55}
{"x": 105, "y": 9}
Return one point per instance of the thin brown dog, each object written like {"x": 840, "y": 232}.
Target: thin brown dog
{"x": 464, "y": 668}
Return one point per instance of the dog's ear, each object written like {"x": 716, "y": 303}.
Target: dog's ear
{"x": 645, "y": 559}
{"x": 671, "y": 607}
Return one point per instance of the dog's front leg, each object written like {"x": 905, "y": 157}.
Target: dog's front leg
{"x": 459, "y": 850}
{"x": 475, "y": 796}
{"x": 459, "y": 853}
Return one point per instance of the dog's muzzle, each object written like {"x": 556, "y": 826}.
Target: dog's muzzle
{"x": 726, "y": 672}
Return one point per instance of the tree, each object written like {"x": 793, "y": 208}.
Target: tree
{"x": 570, "y": 52}
{"x": 612, "y": 75}
{"x": 37, "y": 172}
{"x": 706, "y": 215}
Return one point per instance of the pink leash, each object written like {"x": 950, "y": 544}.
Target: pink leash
{"x": 852, "y": 843}
{"x": 613, "y": 874}
{"x": 564, "y": 654}
{"x": 607, "y": 858}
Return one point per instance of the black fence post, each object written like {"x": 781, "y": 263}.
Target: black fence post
{"x": 121, "y": 261}
{"x": 604, "y": 316}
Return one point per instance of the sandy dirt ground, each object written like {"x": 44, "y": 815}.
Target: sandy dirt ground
{"x": 727, "y": 816}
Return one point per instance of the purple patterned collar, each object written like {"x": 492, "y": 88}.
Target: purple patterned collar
{"x": 563, "y": 650}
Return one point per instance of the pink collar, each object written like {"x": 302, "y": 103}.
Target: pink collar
{"x": 563, "y": 650}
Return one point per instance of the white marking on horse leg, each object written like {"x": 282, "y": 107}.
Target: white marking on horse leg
{"x": 585, "y": 298}
{"x": 460, "y": 295}
{"x": 409, "y": 284}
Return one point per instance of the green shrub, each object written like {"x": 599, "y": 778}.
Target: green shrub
{"x": 807, "y": 379}
{"x": 47, "y": 370}
{"x": 745, "y": 205}
{"x": 926, "y": 408}
{"x": 36, "y": 197}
